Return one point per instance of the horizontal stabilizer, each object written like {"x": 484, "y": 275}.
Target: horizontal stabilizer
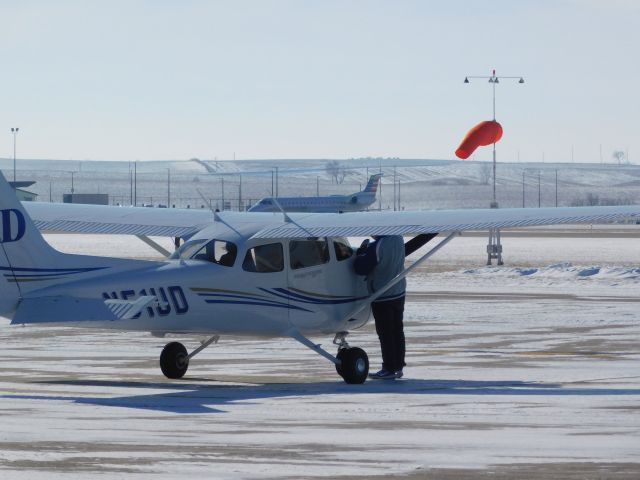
{"x": 127, "y": 309}
{"x": 64, "y": 309}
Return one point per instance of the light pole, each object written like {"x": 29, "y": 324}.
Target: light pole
{"x": 494, "y": 248}
{"x": 14, "y": 131}
{"x": 494, "y": 80}
{"x": 168, "y": 188}
{"x": 240, "y": 194}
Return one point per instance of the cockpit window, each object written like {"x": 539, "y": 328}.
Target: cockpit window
{"x": 188, "y": 249}
{"x": 342, "y": 248}
{"x": 308, "y": 253}
{"x": 267, "y": 258}
{"x": 217, "y": 251}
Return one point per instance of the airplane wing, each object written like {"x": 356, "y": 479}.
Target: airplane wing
{"x": 361, "y": 224}
{"x": 185, "y": 222}
{"x": 74, "y": 218}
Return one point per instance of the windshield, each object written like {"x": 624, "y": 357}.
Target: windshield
{"x": 217, "y": 251}
{"x": 214, "y": 251}
{"x": 188, "y": 249}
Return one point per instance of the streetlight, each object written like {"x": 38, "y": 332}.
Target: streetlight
{"x": 14, "y": 131}
{"x": 168, "y": 188}
{"x": 494, "y": 248}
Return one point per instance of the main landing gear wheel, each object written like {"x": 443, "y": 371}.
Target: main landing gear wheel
{"x": 354, "y": 365}
{"x": 174, "y": 360}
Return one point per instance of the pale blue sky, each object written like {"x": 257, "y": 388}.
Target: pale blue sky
{"x": 121, "y": 80}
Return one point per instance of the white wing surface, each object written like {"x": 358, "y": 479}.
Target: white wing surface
{"x": 185, "y": 222}
{"x": 162, "y": 222}
{"x": 436, "y": 221}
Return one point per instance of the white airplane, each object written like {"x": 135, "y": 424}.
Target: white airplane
{"x": 258, "y": 274}
{"x": 354, "y": 202}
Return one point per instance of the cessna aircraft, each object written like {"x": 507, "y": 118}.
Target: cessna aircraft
{"x": 355, "y": 202}
{"x": 258, "y": 274}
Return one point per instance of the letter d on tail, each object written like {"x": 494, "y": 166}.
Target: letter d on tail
{"x": 13, "y": 225}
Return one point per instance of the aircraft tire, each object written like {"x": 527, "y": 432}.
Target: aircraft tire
{"x": 355, "y": 365}
{"x": 173, "y": 360}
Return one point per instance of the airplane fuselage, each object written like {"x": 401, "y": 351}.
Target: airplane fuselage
{"x": 329, "y": 204}
{"x": 205, "y": 297}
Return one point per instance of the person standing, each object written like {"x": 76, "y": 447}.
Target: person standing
{"x": 380, "y": 261}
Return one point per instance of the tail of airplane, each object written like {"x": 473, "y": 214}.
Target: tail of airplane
{"x": 27, "y": 261}
{"x": 372, "y": 184}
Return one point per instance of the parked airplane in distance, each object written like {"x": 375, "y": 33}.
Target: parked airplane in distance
{"x": 355, "y": 202}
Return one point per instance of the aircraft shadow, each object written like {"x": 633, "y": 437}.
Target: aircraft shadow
{"x": 190, "y": 398}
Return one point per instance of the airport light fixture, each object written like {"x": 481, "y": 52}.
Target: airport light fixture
{"x": 493, "y": 80}
{"x": 494, "y": 247}
{"x": 14, "y": 131}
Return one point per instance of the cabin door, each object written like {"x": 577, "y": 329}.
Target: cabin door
{"x": 321, "y": 286}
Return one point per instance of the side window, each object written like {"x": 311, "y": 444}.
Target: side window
{"x": 264, "y": 259}
{"x": 308, "y": 253}
{"x": 342, "y": 248}
{"x": 218, "y": 251}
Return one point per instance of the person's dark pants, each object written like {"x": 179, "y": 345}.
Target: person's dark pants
{"x": 390, "y": 330}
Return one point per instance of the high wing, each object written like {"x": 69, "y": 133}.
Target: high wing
{"x": 185, "y": 222}
{"x": 162, "y": 222}
{"x": 435, "y": 221}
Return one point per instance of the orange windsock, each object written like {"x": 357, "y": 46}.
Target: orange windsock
{"x": 484, "y": 133}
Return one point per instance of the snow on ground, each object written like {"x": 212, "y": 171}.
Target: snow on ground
{"x": 535, "y": 363}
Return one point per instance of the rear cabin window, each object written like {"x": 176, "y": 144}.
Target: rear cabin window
{"x": 267, "y": 258}
{"x": 308, "y": 253}
{"x": 217, "y": 251}
{"x": 342, "y": 248}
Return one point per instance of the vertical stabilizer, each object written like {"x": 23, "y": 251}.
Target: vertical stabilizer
{"x": 23, "y": 249}
{"x": 372, "y": 184}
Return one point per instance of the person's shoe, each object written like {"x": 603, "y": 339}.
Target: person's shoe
{"x": 385, "y": 375}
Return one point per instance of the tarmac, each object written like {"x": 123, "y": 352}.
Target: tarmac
{"x": 503, "y": 383}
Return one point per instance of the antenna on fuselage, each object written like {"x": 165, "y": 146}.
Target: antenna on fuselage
{"x": 216, "y": 215}
{"x": 288, "y": 219}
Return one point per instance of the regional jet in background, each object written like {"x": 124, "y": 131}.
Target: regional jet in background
{"x": 354, "y": 202}
{"x": 278, "y": 275}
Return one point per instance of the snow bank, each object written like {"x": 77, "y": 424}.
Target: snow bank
{"x": 564, "y": 270}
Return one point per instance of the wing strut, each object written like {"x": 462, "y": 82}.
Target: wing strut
{"x": 156, "y": 246}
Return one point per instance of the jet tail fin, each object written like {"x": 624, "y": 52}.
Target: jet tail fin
{"x": 372, "y": 184}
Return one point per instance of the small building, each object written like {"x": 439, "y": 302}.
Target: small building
{"x": 22, "y": 194}
{"x": 86, "y": 198}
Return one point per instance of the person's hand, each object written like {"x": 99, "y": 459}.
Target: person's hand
{"x": 363, "y": 247}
